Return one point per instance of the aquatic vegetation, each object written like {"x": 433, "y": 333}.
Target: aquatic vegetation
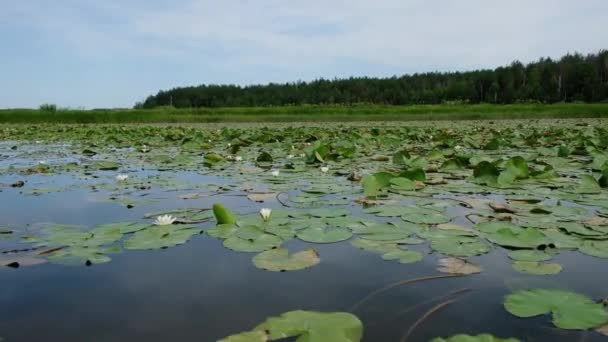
{"x": 504, "y": 199}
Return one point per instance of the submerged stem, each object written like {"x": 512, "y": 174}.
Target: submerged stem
{"x": 424, "y": 317}
{"x": 399, "y": 283}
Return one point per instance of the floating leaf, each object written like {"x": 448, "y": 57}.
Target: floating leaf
{"x": 569, "y": 310}
{"x": 535, "y": 267}
{"x": 261, "y": 243}
{"x": 310, "y": 326}
{"x": 279, "y": 260}
{"x": 158, "y": 237}
{"x": 324, "y": 235}
{"x": 403, "y": 256}
{"x": 457, "y": 266}
{"x": 529, "y": 255}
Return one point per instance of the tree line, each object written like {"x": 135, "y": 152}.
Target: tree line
{"x": 574, "y": 77}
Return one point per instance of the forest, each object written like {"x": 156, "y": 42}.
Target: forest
{"x": 573, "y": 78}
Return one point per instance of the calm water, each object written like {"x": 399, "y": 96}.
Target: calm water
{"x": 202, "y": 291}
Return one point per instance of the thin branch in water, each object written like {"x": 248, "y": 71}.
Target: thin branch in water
{"x": 278, "y": 197}
{"x": 453, "y": 293}
{"x": 424, "y": 317}
{"x": 469, "y": 218}
{"x": 399, "y": 283}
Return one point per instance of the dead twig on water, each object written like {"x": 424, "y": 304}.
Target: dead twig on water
{"x": 445, "y": 296}
{"x": 278, "y": 197}
{"x": 400, "y": 283}
{"x": 424, "y": 317}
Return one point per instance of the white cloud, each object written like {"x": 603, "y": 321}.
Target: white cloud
{"x": 264, "y": 40}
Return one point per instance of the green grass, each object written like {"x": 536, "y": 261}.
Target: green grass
{"x": 309, "y": 113}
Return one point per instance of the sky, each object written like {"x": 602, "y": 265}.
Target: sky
{"x": 112, "y": 53}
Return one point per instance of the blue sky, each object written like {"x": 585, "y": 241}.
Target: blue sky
{"x": 112, "y": 53}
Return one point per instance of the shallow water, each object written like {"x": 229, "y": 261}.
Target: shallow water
{"x": 201, "y": 291}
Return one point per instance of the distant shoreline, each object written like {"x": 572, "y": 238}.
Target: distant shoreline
{"x": 310, "y": 113}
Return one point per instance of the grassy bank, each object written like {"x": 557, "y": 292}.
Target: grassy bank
{"x": 309, "y": 113}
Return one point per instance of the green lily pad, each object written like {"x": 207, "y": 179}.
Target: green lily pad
{"x": 597, "y": 249}
{"x": 222, "y": 231}
{"x": 279, "y": 260}
{"x": 384, "y": 232}
{"x": 158, "y": 237}
{"x": 324, "y": 235}
{"x": 570, "y": 310}
{"x": 459, "y": 246}
{"x": 310, "y": 326}
{"x": 426, "y": 218}
{"x": 529, "y": 255}
{"x": 535, "y": 267}
{"x": 261, "y": 243}
{"x": 403, "y": 256}
{"x": 328, "y": 213}
{"x": 81, "y": 255}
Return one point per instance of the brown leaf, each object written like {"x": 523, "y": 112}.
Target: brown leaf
{"x": 16, "y": 260}
{"x": 597, "y": 221}
{"x": 603, "y": 330}
{"x": 457, "y": 266}
{"x": 501, "y": 208}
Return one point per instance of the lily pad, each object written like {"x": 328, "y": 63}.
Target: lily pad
{"x": 535, "y": 267}
{"x": 279, "y": 260}
{"x": 261, "y": 243}
{"x": 324, "y": 235}
{"x": 403, "y": 256}
{"x": 569, "y": 310}
{"x": 158, "y": 237}
{"x": 457, "y": 266}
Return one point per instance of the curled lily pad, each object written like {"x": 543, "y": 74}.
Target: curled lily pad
{"x": 570, "y": 310}
{"x": 324, "y": 235}
{"x": 223, "y": 215}
{"x": 279, "y": 260}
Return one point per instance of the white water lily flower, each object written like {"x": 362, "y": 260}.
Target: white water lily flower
{"x": 458, "y": 147}
{"x": 42, "y": 162}
{"x": 275, "y": 173}
{"x": 122, "y": 178}
{"x": 238, "y": 158}
{"x": 324, "y": 169}
{"x": 164, "y": 220}
{"x": 229, "y": 145}
{"x": 302, "y": 155}
{"x": 289, "y": 156}
{"x": 265, "y": 213}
